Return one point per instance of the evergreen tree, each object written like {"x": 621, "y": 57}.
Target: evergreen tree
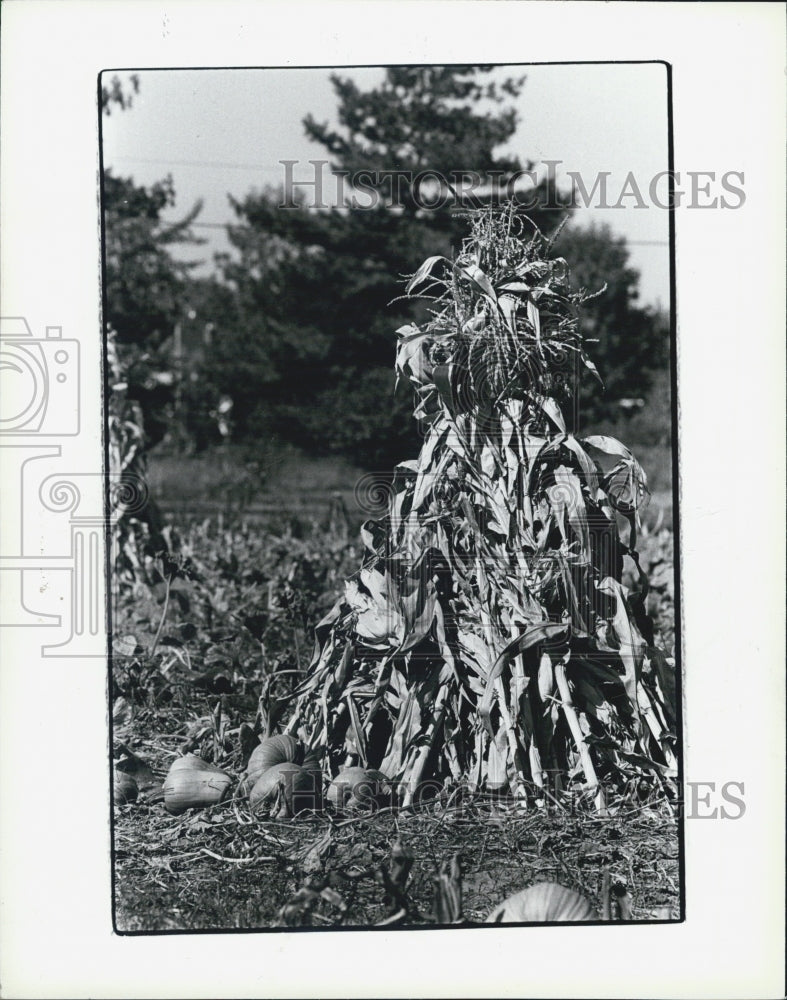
{"x": 628, "y": 343}
{"x": 314, "y": 289}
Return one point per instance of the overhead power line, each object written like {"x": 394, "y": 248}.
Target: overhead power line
{"x": 210, "y": 164}
{"x": 241, "y": 225}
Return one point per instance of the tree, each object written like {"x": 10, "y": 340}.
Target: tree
{"x": 629, "y": 344}
{"x": 438, "y": 119}
{"x": 311, "y": 353}
{"x": 114, "y": 94}
{"x": 144, "y": 286}
{"x": 306, "y": 352}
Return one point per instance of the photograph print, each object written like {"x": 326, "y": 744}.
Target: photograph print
{"x": 393, "y": 574}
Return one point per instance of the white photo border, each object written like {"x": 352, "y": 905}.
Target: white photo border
{"x": 728, "y": 101}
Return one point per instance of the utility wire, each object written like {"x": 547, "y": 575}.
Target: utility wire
{"x": 212, "y": 164}
{"x": 197, "y": 163}
{"x": 242, "y": 225}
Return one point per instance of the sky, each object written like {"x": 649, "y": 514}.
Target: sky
{"x": 220, "y": 132}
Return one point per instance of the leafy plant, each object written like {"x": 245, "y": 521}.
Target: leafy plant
{"x": 136, "y": 524}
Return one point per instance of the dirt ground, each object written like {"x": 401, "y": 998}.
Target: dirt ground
{"x": 224, "y": 868}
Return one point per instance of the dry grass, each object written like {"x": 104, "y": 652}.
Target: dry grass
{"x": 222, "y": 869}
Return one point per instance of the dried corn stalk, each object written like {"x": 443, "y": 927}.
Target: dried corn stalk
{"x": 487, "y": 636}
{"x": 128, "y": 475}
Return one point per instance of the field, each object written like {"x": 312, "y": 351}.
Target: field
{"x": 502, "y": 648}
{"x": 228, "y": 625}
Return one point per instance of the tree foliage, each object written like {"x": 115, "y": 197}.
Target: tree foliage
{"x": 437, "y": 118}
{"x": 306, "y": 306}
{"x": 145, "y": 286}
{"x": 315, "y": 290}
{"x": 628, "y": 343}
{"x": 114, "y": 94}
